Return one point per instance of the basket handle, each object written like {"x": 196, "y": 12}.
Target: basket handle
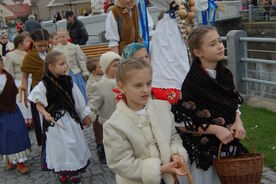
{"x": 250, "y": 142}
{"x": 190, "y": 178}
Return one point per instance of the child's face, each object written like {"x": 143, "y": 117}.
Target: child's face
{"x": 142, "y": 54}
{"x": 111, "y": 71}
{"x": 41, "y": 46}
{"x": 26, "y": 43}
{"x": 137, "y": 88}
{"x": 63, "y": 37}
{"x": 211, "y": 49}
{"x": 55, "y": 40}
{"x": 60, "y": 67}
{"x": 98, "y": 70}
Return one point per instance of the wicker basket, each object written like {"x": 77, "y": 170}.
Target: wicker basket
{"x": 243, "y": 169}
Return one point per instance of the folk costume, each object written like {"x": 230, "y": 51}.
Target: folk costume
{"x": 14, "y": 139}
{"x": 208, "y": 97}
{"x": 33, "y": 64}
{"x": 76, "y": 62}
{"x": 138, "y": 143}
{"x": 122, "y": 27}
{"x": 5, "y": 45}
{"x": 65, "y": 150}
{"x": 13, "y": 63}
{"x": 169, "y": 55}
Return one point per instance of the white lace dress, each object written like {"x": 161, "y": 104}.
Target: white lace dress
{"x": 65, "y": 150}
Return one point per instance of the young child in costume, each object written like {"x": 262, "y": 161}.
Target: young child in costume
{"x": 102, "y": 101}
{"x": 75, "y": 60}
{"x": 208, "y": 112}
{"x": 94, "y": 67}
{"x": 5, "y": 45}
{"x": 33, "y": 64}
{"x": 14, "y": 139}
{"x": 136, "y": 50}
{"x": 54, "y": 40}
{"x": 13, "y": 62}
{"x": 62, "y": 105}
{"x": 141, "y": 142}
{"x": 122, "y": 27}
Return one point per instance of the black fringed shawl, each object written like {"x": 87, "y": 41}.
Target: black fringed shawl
{"x": 206, "y": 101}
{"x": 59, "y": 97}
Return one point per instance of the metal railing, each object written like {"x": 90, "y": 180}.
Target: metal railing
{"x": 259, "y": 13}
{"x": 252, "y": 76}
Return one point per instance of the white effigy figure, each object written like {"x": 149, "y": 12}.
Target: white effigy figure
{"x": 169, "y": 54}
{"x": 97, "y": 7}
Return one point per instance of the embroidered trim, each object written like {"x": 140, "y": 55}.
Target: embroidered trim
{"x": 17, "y": 157}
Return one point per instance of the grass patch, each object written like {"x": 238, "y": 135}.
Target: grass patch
{"x": 260, "y": 126}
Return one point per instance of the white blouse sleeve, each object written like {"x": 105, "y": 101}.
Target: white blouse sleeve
{"x": 38, "y": 94}
{"x": 150, "y": 24}
{"x": 111, "y": 33}
{"x": 82, "y": 109}
{"x": 8, "y": 64}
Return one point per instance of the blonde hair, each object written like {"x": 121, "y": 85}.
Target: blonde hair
{"x": 51, "y": 58}
{"x": 63, "y": 30}
{"x": 53, "y": 34}
{"x": 126, "y": 67}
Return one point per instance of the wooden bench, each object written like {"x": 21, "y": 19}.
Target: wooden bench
{"x": 95, "y": 50}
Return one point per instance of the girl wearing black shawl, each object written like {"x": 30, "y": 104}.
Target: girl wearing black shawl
{"x": 64, "y": 111}
{"x": 208, "y": 112}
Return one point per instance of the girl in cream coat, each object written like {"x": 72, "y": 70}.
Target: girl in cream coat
{"x": 141, "y": 142}
{"x": 13, "y": 62}
{"x": 75, "y": 59}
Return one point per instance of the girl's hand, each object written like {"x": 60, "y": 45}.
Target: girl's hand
{"x": 47, "y": 116}
{"x": 86, "y": 121}
{"x": 238, "y": 128}
{"x": 178, "y": 158}
{"x": 173, "y": 168}
{"x": 85, "y": 78}
{"x": 223, "y": 134}
{"x": 25, "y": 94}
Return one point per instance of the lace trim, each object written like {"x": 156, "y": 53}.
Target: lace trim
{"x": 17, "y": 157}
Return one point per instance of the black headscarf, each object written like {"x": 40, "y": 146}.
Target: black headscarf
{"x": 59, "y": 96}
{"x": 206, "y": 101}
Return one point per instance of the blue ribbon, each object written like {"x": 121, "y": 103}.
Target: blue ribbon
{"x": 206, "y": 15}
{"x": 143, "y": 22}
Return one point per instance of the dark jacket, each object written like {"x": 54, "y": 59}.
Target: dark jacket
{"x": 77, "y": 32}
{"x": 31, "y": 25}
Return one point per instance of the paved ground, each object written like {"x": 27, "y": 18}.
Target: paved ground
{"x": 96, "y": 172}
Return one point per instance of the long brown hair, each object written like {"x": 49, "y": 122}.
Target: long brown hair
{"x": 195, "y": 38}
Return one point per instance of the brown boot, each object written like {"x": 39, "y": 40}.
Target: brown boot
{"x": 22, "y": 168}
{"x": 10, "y": 166}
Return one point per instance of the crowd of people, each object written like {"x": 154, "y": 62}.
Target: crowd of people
{"x": 155, "y": 113}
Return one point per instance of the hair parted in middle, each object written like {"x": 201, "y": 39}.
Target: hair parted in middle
{"x": 126, "y": 67}
{"x": 51, "y": 58}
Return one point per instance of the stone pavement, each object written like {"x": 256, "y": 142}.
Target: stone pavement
{"x": 95, "y": 174}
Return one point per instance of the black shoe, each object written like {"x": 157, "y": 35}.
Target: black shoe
{"x": 101, "y": 154}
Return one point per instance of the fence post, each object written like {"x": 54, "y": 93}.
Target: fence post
{"x": 250, "y": 13}
{"x": 236, "y": 50}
